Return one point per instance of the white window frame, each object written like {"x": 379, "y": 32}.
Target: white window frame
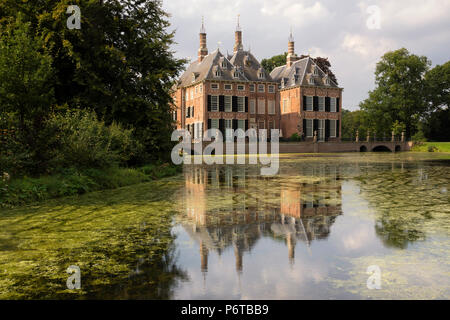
{"x": 241, "y": 87}
{"x": 311, "y": 81}
{"x": 213, "y": 121}
{"x": 228, "y": 104}
{"x": 333, "y": 123}
{"x": 261, "y": 106}
{"x": 224, "y": 64}
{"x": 271, "y": 89}
{"x": 241, "y": 104}
{"x": 241, "y": 124}
{"x": 271, "y": 107}
{"x": 261, "y": 86}
{"x": 228, "y": 123}
{"x": 333, "y": 102}
{"x": 311, "y": 127}
{"x": 252, "y": 106}
{"x": 321, "y": 130}
{"x": 285, "y": 105}
{"x": 309, "y": 98}
{"x": 214, "y": 86}
{"x": 214, "y": 103}
{"x": 200, "y": 87}
{"x": 228, "y": 87}
{"x": 321, "y": 103}
{"x": 251, "y": 87}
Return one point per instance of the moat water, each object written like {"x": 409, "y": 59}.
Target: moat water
{"x": 226, "y": 232}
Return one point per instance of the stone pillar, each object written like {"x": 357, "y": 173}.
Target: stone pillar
{"x": 357, "y": 136}
{"x": 403, "y": 136}
{"x": 393, "y": 136}
{"x": 368, "y": 136}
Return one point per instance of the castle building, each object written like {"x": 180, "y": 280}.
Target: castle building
{"x": 235, "y": 92}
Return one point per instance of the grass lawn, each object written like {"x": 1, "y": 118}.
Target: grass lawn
{"x": 426, "y": 147}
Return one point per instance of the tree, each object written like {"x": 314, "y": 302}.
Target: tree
{"x": 353, "y": 121}
{"x": 119, "y": 62}
{"x": 276, "y": 61}
{"x": 437, "y": 82}
{"x": 26, "y": 78}
{"x": 399, "y": 94}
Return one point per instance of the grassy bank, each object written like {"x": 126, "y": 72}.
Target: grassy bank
{"x": 72, "y": 182}
{"x": 432, "y": 147}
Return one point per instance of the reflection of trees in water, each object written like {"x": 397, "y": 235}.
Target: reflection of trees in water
{"x": 230, "y": 206}
{"x": 406, "y": 198}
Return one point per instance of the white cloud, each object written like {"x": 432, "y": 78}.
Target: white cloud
{"x": 334, "y": 29}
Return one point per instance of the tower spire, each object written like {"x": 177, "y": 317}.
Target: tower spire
{"x": 203, "y": 50}
{"x": 291, "y": 57}
{"x": 238, "y": 37}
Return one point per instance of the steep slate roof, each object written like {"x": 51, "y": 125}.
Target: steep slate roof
{"x": 244, "y": 62}
{"x": 299, "y": 73}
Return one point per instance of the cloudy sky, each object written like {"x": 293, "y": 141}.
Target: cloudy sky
{"x": 347, "y": 32}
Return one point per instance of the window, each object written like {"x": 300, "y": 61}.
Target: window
{"x": 241, "y": 87}
{"x": 188, "y": 112}
{"x": 236, "y": 74}
{"x": 321, "y": 130}
{"x": 228, "y": 107}
{"x": 214, "y": 86}
{"x": 261, "y": 125}
{"x": 327, "y": 81}
{"x": 261, "y": 88}
{"x": 228, "y": 87}
{"x": 285, "y": 106}
{"x": 192, "y": 112}
{"x": 200, "y": 88}
{"x": 241, "y": 124}
{"x": 261, "y": 106}
{"x": 252, "y": 87}
{"x": 241, "y": 104}
{"x": 271, "y": 107}
{"x": 252, "y": 106}
{"x": 192, "y": 94}
{"x": 217, "y": 74}
{"x": 316, "y": 70}
{"x": 228, "y": 125}
{"x": 196, "y": 89}
{"x": 309, "y": 103}
{"x": 271, "y": 89}
{"x": 214, "y": 103}
{"x": 261, "y": 75}
{"x": 321, "y": 103}
{"x": 333, "y": 128}
{"x": 214, "y": 123}
{"x": 333, "y": 104}
{"x": 187, "y": 95}
{"x": 224, "y": 64}
{"x": 309, "y": 128}
{"x": 311, "y": 80}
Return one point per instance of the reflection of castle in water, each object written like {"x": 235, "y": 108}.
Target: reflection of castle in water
{"x": 234, "y": 206}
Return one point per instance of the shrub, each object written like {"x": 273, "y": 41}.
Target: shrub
{"x": 85, "y": 142}
{"x": 432, "y": 149}
{"x": 296, "y": 137}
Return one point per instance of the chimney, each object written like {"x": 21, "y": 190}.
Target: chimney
{"x": 203, "y": 50}
{"x": 238, "y": 38}
{"x": 291, "y": 57}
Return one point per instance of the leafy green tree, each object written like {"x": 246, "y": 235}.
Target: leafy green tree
{"x": 26, "y": 92}
{"x": 437, "y": 82}
{"x": 119, "y": 63}
{"x": 276, "y": 61}
{"x": 353, "y": 121}
{"x": 400, "y": 92}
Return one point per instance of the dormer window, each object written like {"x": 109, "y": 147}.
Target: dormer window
{"x": 316, "y": 71}
{"x": 283, "y": 82}
{"x": 311, "y": 80}
{"x": 236, "y": 74}
{"x": 261, "y": 75}
{"x": 194, "y": 76}
{"x": 218, "y": 73}
{"x": 224, "y": 64}
{"x": 327, "y": 81}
